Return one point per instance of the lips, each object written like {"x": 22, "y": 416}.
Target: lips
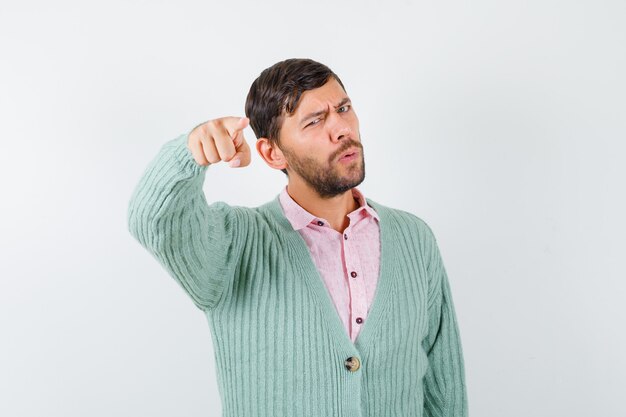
{"x": 348, "y": 153}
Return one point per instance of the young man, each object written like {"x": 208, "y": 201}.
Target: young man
{"x": 320, "y": 302}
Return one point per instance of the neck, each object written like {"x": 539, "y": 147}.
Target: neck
{"x": 334, "y": 209}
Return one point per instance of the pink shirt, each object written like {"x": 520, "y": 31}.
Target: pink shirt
{"x": 348, "y": 263}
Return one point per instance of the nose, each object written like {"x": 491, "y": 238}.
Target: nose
{"x": 339, "y": 128}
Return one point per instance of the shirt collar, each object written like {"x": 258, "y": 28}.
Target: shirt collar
{"x": 300, "y": 218}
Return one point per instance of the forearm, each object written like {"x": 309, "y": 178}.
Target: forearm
{"x": 444, "y": 382}
{"x": 168, "y": 214}
{"x": 445, "y": 388}
{"x": 171, "y": 181}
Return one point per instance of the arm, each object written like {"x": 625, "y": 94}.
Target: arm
{"x": 198, "y": 244}
{"x": 444, "y": 383}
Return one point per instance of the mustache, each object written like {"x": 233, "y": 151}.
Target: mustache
{"x": 347, "y": 145}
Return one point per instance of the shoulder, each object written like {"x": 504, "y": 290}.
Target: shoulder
{"x": 251, "y": 219}
{"x": 405, "y": 220}
{"x": 245, "y": 217}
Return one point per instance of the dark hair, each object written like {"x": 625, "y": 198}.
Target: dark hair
{"x": 277, "y": 91}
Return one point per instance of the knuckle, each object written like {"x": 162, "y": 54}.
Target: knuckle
{"x": 212, "y": 124}
{"x": 199, "y": 161}
{"x": 202, "y": 130}
{"x": 228, "y": 156}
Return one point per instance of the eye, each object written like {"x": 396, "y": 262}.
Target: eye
{"x": 347, "y": 106}
{"x": 313, "y": 122}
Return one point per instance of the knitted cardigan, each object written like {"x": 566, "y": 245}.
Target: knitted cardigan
{"x": 280, "y": 347}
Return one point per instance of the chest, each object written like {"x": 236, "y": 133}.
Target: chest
{"x": 285, "y": 296}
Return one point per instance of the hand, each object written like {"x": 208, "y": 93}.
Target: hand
{"x": 220, "y": 140}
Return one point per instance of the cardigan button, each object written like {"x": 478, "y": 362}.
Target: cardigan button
{"x": 353, "y": 274}
{"x": 320, "y": 223}
{"x": 352, "y": 364}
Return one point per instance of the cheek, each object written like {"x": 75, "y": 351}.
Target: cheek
{"x": 354, "y": 122}
{"x": 310, "y": 153}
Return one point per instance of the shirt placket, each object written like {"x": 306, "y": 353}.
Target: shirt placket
{"x": 356, "y": 283}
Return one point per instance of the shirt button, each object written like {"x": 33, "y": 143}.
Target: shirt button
{"x": 353, "y": 274}
{"x": 320, "y": 223}
{"x": 359, "y": 320}
{"x": 352, "y": 364}
{"x": 345, "y": 236}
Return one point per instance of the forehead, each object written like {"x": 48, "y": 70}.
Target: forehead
{"x": 319, "y": 98}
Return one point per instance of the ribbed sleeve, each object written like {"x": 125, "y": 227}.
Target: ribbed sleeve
{"x": 444, "y": 382}
{"x": 197, "y": 243}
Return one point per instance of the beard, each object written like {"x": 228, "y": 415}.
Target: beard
{"x": 333, "y": 178}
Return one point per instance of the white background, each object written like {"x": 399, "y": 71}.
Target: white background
{"x": 500, "y": 123}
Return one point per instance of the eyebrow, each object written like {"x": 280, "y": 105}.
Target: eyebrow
{"x": 318, "y": 113}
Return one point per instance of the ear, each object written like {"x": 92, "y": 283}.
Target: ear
{"x": 272, "y": 155}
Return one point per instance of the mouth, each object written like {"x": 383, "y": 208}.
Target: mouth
{"x": 349, "y": 155}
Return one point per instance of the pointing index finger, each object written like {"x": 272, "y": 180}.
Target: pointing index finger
{"x": 242, "y": 124}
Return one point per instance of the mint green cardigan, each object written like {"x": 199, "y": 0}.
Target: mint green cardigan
{"x": 280, "y": 347}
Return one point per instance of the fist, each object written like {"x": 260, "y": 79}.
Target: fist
{"x": 220, "y": 140}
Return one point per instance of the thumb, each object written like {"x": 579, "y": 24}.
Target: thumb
{"x": 237, "y": 158}
{"x": 242, "y": 156}
{"x": 237, "y": 136}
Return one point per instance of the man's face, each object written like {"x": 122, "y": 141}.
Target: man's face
{"x": 314, "y": 143}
